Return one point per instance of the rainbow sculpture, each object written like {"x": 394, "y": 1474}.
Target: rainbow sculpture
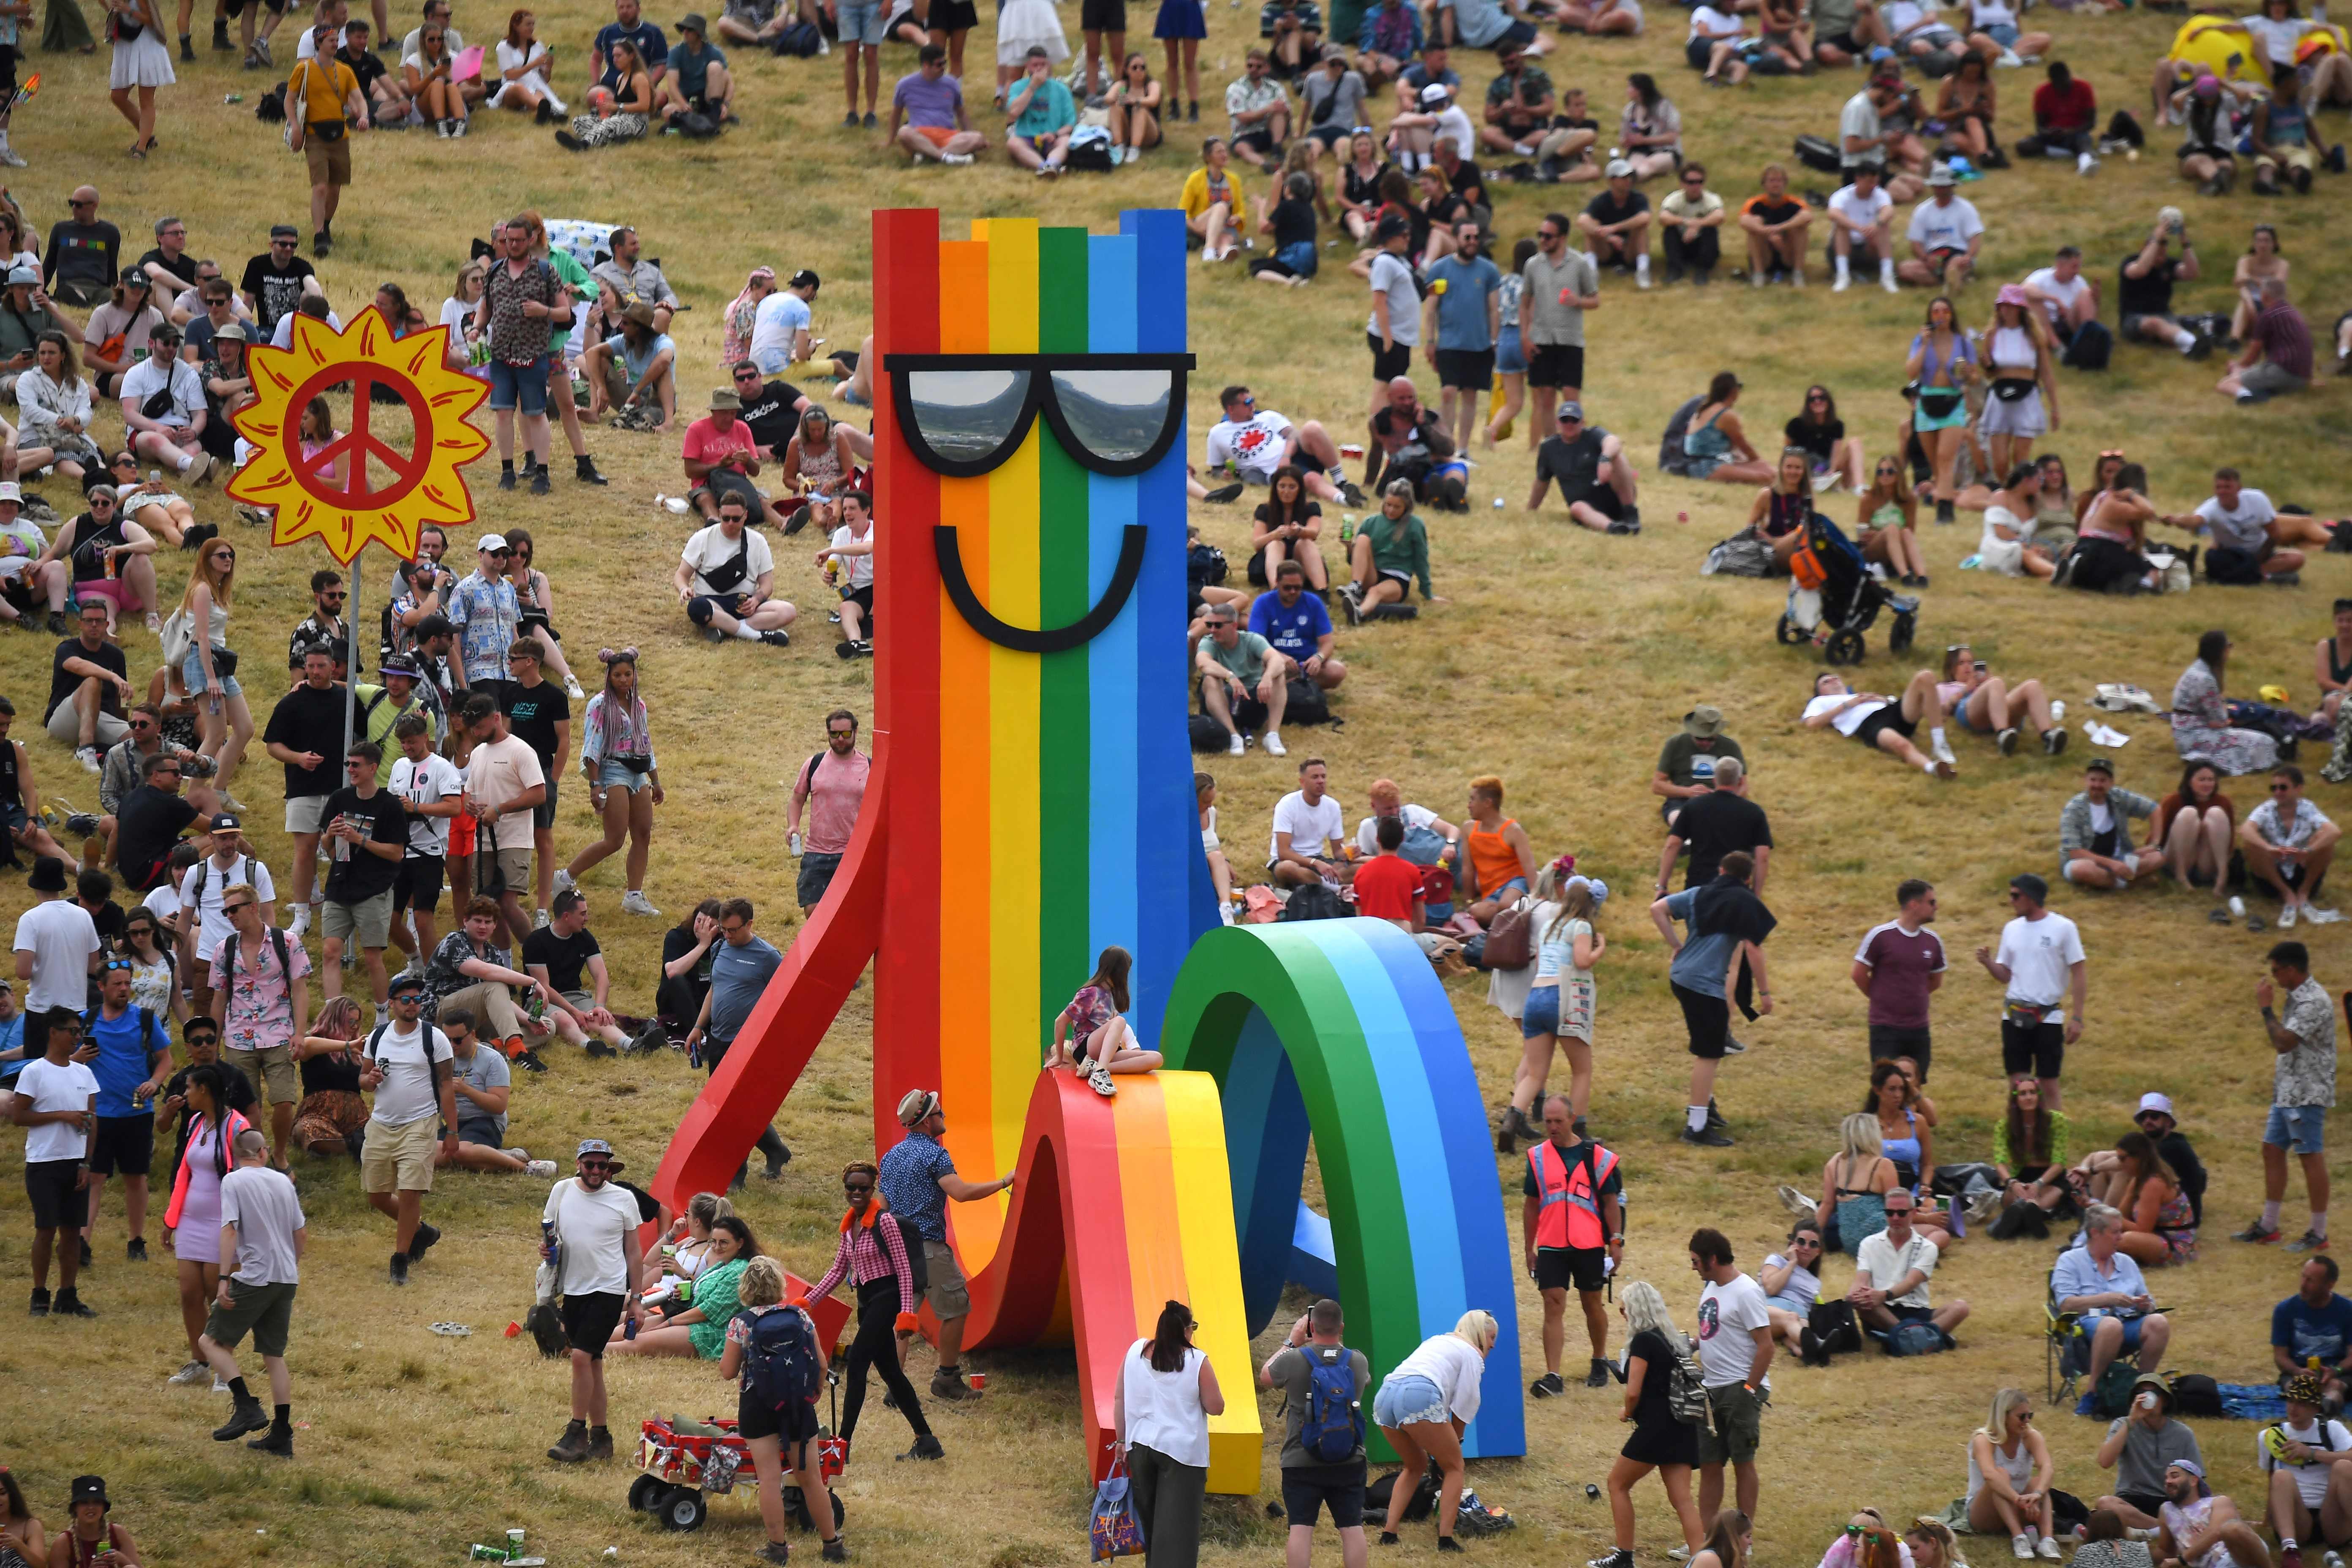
{"x": 1031, "y": 803}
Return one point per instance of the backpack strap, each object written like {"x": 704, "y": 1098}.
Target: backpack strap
{"x": 808, "y": 773}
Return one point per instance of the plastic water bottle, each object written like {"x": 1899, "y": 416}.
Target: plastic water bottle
{"x": 675, "y": 505}
{"x": 1499, "y": 503}
{"x": 796, "y": 844}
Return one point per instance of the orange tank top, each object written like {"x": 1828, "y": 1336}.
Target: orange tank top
{"x": 1493, "y": 859}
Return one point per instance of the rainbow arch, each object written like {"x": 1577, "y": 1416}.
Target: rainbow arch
{"x": 1340, "y": 1031}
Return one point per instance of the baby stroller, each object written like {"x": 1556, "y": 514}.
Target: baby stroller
{"x": 1831, "y": 587}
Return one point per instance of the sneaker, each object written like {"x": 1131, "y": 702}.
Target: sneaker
{"x": 2287, "y": 918}
{"x": 1679, "y": 1554}
{"x": 927, "y": 1447}
{"x": 2256, "y": 1233}
{"x": 1983, "y": 1208}
{"x": 1708, "y": 1138}
{"x": 2046, "y": 1549}
{"x": 261, "y": 51}
{"x": 400, "y": 1268}
{"x": 1809, "y": 1348}
{"x": 136, "y": 1250}
{"x": 1844, "y": 283}
{"x": 1223, "y": 494}
{"x": 1547, "y": 1386}
{"x": 539, "y": 920}
{"x": 776, "y": 1552}
{"x": 1271, "y": 741}
{"x": 69, "y": 1304}
{"x": 1351, "y": 493}
{"x": 505, "y": 479}
{"x": 88, "y": 757}
{"x": 2006, "y": 742}
{"x": 1351, "y": 596}
{"x": 191, "y": 1372}
{"x": 1886, "y": 281}
{"x": 2291, "y": 1557}
{"x": 40, "y": 1305}
{"x": 837, "y": 1550}
{"x": 2087, "y": 1405}
{"x": 2022, "y": 1548}
{"x": 569, "y": 142}
{"x": 597, "y": 1049}
{"x": 1798, "y": 1203}
{"x": 538, "y": 483}
{"x": 1943, "y": 747}
{"x": 776, "y": 637}
{"x": 1235, "y": 745}
{"x": 634, "y": 902}
{"x": 248, "y": 1415}
{"x": 1099, "y": 1080}
{"x": 563, "y": 879}
{"x": 955, "y": 159}
{"x": 540, "y": 1168}
{"x": 1599, "y": 1376}
{"x": 2309, "y": 1241}
{"x": 2053, "y": 740}
{"x": 1621, "y": 1558}
{"x": 573, "y": 1447}
{"x": 1733, "y": 1046}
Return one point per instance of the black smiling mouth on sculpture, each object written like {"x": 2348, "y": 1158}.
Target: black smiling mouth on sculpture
{"x": 1042, "y": 639}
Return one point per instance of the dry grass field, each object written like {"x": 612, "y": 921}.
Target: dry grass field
{"x": 1561, "y": 662}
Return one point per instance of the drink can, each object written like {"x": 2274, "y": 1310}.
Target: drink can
{"x": 233, "y": 98}
{"x": 481, "y": 1553}
{"x": 514, "y": 1540}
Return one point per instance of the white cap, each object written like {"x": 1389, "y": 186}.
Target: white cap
{"x": 8, "y": 491}
{"x": 2157, "y": 1102}
{"x": 491, "y": 541}
{"x": 1436, "y": 92}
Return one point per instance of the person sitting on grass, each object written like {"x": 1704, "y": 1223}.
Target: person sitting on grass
{"x": 1214, "y": 202}
{"x": 2197, "y": 1524}
{"x": 2138, "y": 1447}
{"x": 2010, "y": 519}
{"x": 1987, "y": 705}
{"x": 699, "y": 1328}
{"x": 2010, "y": 1470}
{"x": 1296, "y": 623}
{"x": 1616, "y": 223}
{"x": 1389, "y": 557}
{"x": 1245, "y": 684}
{"x": 1884, "y": 722}
{"x": 1777, "y": 223}
{"x": 1596, "y": 478}
{"x": 1715, "y": 446}
{"x": 2094, "y": 839}
{"x": 1043, "y": 114}
{"x": 2310, "y": 1493}
{"x": 1285, "y": 530}
{"x": 927, "y": 112}
{"x": 2289, "y": 844}
{"x": 484, "y": 1086}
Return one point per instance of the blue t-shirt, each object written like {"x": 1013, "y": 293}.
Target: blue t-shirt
{"x": 738, "y": 976}
{"x": 692, "y": 69}
{"x": 1051, "y": 107}
{"x": 1294, "y": 631}
{"x": 1702, "y": 963}
{"x": 910, "y": 1185}
{"x": 2304, "y": 1330}
{"x": 12, "y": 1038}
{"x": 640, "y": 360}
{"x": 123, "y": 1047}
{"x": 652, "y": 47}
{"x": 1462, "y": 308}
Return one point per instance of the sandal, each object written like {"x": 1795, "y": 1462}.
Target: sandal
{"x": 2219, "y": 915}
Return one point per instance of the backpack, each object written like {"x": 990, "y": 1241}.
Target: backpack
{"x": 2091, "y": 348}
{"x": 1923, "y": 1339}
{"x": 1090, "y": 149}
{"x": 285, "y": 960}
{"x": 1314, "y": 902}
{"x": 1309, "y": 704}
{"x": 1511, "y": 937}
{"x": 1744, "y": 554}
{"x": 2194, "y": 1394}
{"x": 1672, "y": 459}
{"x": 147, "y": 1027}
{"x": 437, "y": 1069}
{"x": 801, "y": 40}
{"x": 781, "y": 1360}
{"x": 1820, "y": 152}
{"x": 1686, "y": 1391}
{"x": 1334, "y": 1427}
{"x": 1207, "y": 734}
{"x": 1205, "y": 565}
{"x": 700, "y": 124}
{"x": 2114, "y": 1394}
{"x": 204, "y": 867}
{"x": 1425, "y": 848}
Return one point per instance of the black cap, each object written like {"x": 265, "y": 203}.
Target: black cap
{"x": 2100, "y": 765}
{"x": 284, "y": 231}
{"x": 1390, "y": 225}
{"x": 2031, "y": 886}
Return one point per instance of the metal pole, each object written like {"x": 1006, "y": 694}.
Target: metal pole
{"x": 351, "y": 648}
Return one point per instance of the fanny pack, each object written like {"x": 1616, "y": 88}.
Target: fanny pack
{"x": 635, "y": 764}
{"x": 325, "y": 130}
{"x": 2027, "y": 1014}
{"x": 1939, "y": 402}
{"x": 2013, "y": 388}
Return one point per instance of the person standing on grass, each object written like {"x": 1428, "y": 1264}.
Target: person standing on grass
{"x": 1159, "y": 1413}
{"x": 521, "y": 300}
{"x": 1726, "y": 927}
{"x": 2047, "y": 978}
{"x": 503, "y": 788}
{"x": 263, "y": 1232}
{"x": 406, "y": 1063}
{"x": 1574, "y": 1231}
{"x": 264, "y": 975}
{"x": 831, "y": 788}
{"x": 740, "y": 968}
{"x": 2302, "y": 1087}
{"x": 616, "y": 754}
{"x": 1735, "y": 1352}
{"x": 1661, "y": 1440}
{"x": 594, "y": 1225}
{"x": 431, "y": 791}
{"x": 871, "y": 1258}
{"x": 57, "y": 1102}
{"x": 1900, "y": 965}
{"x": 916, "y": 1179}
{"x": 1313, "y": 1480}
{"x": 540, "y": 716}
{"x": 304, "y": 733}
{"x": 780, "y": 1434}
{"x": 134, "y": 1052}
{"x": 367, "y": 833}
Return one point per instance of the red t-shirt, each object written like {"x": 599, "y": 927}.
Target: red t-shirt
{"x": 705, "y": 443}
{"x": 1387, "y": 886}
{"x": 2076, "y": 109}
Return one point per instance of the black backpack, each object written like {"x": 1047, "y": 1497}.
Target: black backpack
{"x": 1820, "y": 152}
{"x": 204, "y": 873}
{"x": 1314, "y": 902}
{"x": 1309, "y": 704}
{"x": 1207, "y": 734}
{"x": 2194, "y": 1394}
{"x": 2091, "y": 348}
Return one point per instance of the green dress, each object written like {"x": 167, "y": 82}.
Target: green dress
{"x": 63, "y": 29}
{"x": 714, "y": 1293}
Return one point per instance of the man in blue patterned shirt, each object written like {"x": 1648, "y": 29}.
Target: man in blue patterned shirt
{"x": 483, "y": 612}
{"x": 919, "y": 1176}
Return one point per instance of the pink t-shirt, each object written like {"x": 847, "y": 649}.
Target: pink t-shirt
{"x": 259, "y": 1014}
{"x": 705, "y": 443}
{"x": 837, "y": 789}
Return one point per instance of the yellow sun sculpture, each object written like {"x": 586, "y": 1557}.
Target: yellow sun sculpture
{"x": 424, "y": 483}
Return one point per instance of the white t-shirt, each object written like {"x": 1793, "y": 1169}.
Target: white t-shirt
{"x": 1847, "y": 723}
{"x": 1254, "y": 445}
{"x": 1312, "y": 829}
{"x": 60, "y": 936}
{"x": 211, "y": 923}
{"x": 1393, "y": 276}
{"x": 1454, "y": 125}
{"x": 50, "y": 1086}
{"x": 2044, "y": 280}
{"x": 1860, "y": 118}
{"x": 308, "y": 47}
{"x": 150, "y": 375}
{"x": 710, "y": 547}
{"x": 429, "y": 783}
{"x": 1368, "y": 832}
{"x": 2279, "y": 38}
{"x": 860, "y": 567}
{"x": 1856, "y": 208}
{"x": 406, "y": 1093}
{"x": 1999, "y": 517}
{"x": 1706, "y": 22}
{"x": 281, "y": 336}
{"x": 2310, "y": 1479}
{"x": 1903, "y": 16}
{"x": 1455, "y": 1366}
{"x": 267, "y": 1211}
{"x": 1727, "y": 1316}
{"x": 781, "y": 316}
{"x": 1886, "y": 1264}
{"x": 593, "y": 1228}
{"x": 2241, "y": 527}
{"x": 1940, "y": 227}
{"x": 164, "y": 903}
{"x": 2040, "y": 955}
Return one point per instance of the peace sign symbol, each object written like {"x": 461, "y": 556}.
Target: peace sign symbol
{"x": 408, "y": 469}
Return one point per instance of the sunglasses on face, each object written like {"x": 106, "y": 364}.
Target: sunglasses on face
{"x": 858, "y": 1189}
{"x": 2281, "y": 789}
{"x": 595, "y": 1164}
{"x": 841, "y": 735}
{"x": 412, "y": 997}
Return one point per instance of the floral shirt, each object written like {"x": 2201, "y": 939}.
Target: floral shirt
{"x": 443, "y": 978}
{"x": 515, "y": 338}
{"x": 2306, "y": 1075}
{"x": 260, "y": 1014}
{"x": 2308, "y": 819}
{"x": 1090, "y": 1010}
{"x": 484, "y": 611}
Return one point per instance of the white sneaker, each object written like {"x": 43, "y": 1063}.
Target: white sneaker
{"x": 88, "y": 757}
{"x": 300, "y": 923}
{"x": 1235, "y": 745}
{"x": 2287, "y": 918}
{"x": 2020, "y": 1548}
{"x": 1944, "y": 752}
{"x": 539, "y": 920}
{"x": 634, "y": 902}
{"x": 1271, "y": 741}
{"x": 9, "y": 156}
{"x": 563, "y": 879}
{"x": 2086, "y": 163}
{"x": 1844, "y": 283}
{"x": 1886, "y": 281}
{"x": 958, "y": 158}
{"x": 539, "y": 1168}
{"x": 1099, "y": 1080}
{"x": 190, "y": 1372}
{"x": 1798, "y": 1203}
{"x": 220, "y": 1387}
{"x": 517, "y": 1152}
{"x": 572, "y": 687}
{"x": 2046, "y": 1549}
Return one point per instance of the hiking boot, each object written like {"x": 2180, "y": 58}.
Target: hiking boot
{"x": 776, "y": 1552}
{"x": 1809, "y": 1348}
{"x": 539, "y": 484}
{"x": 277, "y": 1440}
{"x": 247, "y": 1417}
{"x": 1707, "y": 1137}
{"x": 837, "y": 1550}
{"x": 600, "y": 1442}
{"x": 947, "y": 1384}
{"x": 69, "y": 1304}
{"x": 136, "y": 1250}
{"x": 400, "y": 1268}
{"x": 927, "y": 1447}
{"x": 1546, "y": 1386}
{"x": 583, "y": 469}
{"x": 505, "y": 479}
{"x": 1599, "y": 1376}
{"x": 422, "y": 1242}
{"x": 573, "y": 1447}
{"x": 220, "y": 34}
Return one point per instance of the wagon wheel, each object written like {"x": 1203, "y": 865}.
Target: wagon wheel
{"x": 682, "y": 1509}
{"x": 644, "y": 1493}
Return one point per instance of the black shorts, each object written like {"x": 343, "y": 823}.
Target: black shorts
{"x": 124, "y": 1143}
{"x": 2235, "y": 567}
{"x": 1888, "y": 1042}
{"x": 55, "y": 1188}
{"x": 1469, "y": 370}
{"x": 1601, "y": 499}
{"x": 1519, "y": 33}
{"x": 815, "y": 877}
{"x": 863, "y": 599}
{"x": 699, "y": 607}
{"x": 1557, "y": 366}
{"x": 1102, "y": 16}
{"x": 2146, "y": 1502}
{"x": 1890, "y": 717}
{"x": 1844, "y": 42}
{"x": 949, "y": 17}
{"x": 1697, "y": 52}
{"x": 1403, "y": 580}
{"x": 589, "y": 1320}
{"x": 417, "y": 884}
{"x": 1391, "y": 363}
{"x": 1308, "y": 1490}
{"x": 2040, "y": 1050}
{"x": 8, "y": 57}
{"x": 1708, "y": 1019}
{"x": 1911, "y": 1314}
{"x": 1259, "y": 138}
{"x": 542, "y": 815}
{"x": 1571, "y": 1268}
{"x": 793, "y": 1422}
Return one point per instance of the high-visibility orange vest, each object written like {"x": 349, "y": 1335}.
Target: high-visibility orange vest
{"x": 1569, "y": 1211}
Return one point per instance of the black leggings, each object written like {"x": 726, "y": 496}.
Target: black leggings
{"x": 877, "y": 1345}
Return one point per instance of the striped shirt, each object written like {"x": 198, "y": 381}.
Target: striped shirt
{"x": 866, "y": 1253}
{"x": 2285, "y": 338}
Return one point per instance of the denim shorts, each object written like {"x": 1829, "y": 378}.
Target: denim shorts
{"x": 861, "y": 21}
{"x": 192, "y": 672}
{"x": 1300, "y": 259}
{"x": 1510, "y": 357}
{"x": 611, "y": 774}
{"x": 526, "y": 383}
{"x": 1409, "y": 1401}
{"x": 2302, "y": 1128}
{"x": 772, "y": 362}
{"x": 2002, "y": 33}
{"x": 1541, "y": 1015}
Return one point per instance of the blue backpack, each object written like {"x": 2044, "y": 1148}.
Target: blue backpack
{"x": 781, "y": 1361}
{"x": 1334, "y": 1428}
{"x": 1917, "y": 1339}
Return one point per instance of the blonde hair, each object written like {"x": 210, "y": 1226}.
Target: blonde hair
{"x": 1858, "y": 1136}
{"x": 1477, "y": 1326}
{"x": 1924, "y": 1528}
{"x": 707, "y": 1209}
{"x": 761, "y": 1283}
{"x": 1996, "y": 1425}
{"x": 1646, "y": 1312}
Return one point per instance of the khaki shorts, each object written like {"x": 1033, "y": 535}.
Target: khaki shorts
{"x": 1737, "y": 1428}
{"x": 515, "y": 866}
{"x": 948, "y": 1296}
{"x": 369, "y": 920}
{"x": 306, "y": 814}
{"x": 330, "y": 162}
{"x": 265, "y": 1311}
{"x": 399, "y": 1159}
{"x": 272, "y": 1068}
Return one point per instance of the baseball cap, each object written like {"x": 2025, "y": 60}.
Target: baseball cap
{"x": 10, "y": 490}
{"x": 284, "y": 231}
{"x": 400, "y": 664}
{"x": 135, "y": 277}
{"x": 1941, "y": 175}
{"x": 2011, "y": 294}
{"x": 1390, "y": 225}
{"x": 2100, "y": 765}
{"x": 1619, "y": 169}
{"x": 1436, "y": 92}
{"x": 1572, "y": 410}
{"x": 225, "y": 822}
{"x": 2154, "y": 1103}
{"x": 491, "y": 541}
{"x": 2031, "y": 886}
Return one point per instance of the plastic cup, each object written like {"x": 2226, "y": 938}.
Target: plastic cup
{"x": 979, "y": 1381}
